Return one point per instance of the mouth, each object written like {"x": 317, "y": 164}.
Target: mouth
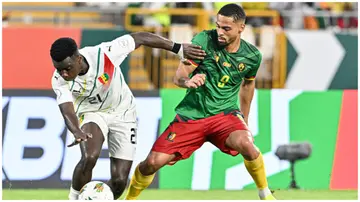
{"x": 221, "y": 40}
{"x": 67, "y": 79}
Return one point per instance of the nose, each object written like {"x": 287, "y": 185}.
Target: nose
{"x": 64, "y": 73}
{"x": 220, "y": 32}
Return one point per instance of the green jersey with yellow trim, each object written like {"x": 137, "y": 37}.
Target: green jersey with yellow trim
{"x": 224, "y": 74}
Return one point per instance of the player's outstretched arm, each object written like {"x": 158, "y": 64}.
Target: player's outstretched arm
{"x": 246, "y": 95}
{"x": 182, "y": 79}
{"x": 188, "y": 51}
{"x": 72, "y": 123}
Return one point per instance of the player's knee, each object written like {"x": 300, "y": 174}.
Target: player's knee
{"x": 89, "y": 161}
{"x": 119, "y": 184}
{"x": 244, "y": 140}
{"x": 154, "y": 163}
{"x": 245, "y": 145}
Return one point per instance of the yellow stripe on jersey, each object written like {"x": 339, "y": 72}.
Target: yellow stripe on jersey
{"x": 106, "y": 109}
{"x": 250, "y": 78}
{"x": 82, "y": 93}
{"x": 194, "y": 64}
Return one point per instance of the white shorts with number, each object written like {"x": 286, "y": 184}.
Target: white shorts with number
{"x": 120, "y": 134}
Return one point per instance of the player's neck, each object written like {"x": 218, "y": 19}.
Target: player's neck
{"x": 234, "y": 46}
{"x": 84, "y": 67}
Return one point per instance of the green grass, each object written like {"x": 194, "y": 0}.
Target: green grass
{"x": 151, "y": 194}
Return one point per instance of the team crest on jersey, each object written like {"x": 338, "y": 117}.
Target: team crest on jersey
{"x": 81, "y": 119}
{"x": 104, "y": 78}
{"x": 216, "y": 57}
{"x": 225, "y": 64}
{"x": 171, "y": 137}
{"x": 241, "y": 67}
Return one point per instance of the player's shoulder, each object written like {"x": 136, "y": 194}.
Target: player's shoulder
{"x": 251, "y": 49}
{"x": 89, "y": 50}
{"x": 206, "y": 38}
{"x": 206, "y": 35}
{"x": 56, "y": 79}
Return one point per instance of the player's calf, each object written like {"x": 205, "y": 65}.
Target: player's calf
{"x": 118, "y": 185}
{"x": 83, "y": 170}
{"x": 145, "y": 172}
{"x": 242, "y": 142}
{"x": 120, "y": 170}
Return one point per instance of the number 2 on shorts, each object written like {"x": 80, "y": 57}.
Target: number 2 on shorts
{"x": 133, "y": 136}
{"x": 223, "y": 81}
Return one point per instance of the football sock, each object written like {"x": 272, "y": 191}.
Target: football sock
{"x": 263, "y": 193}
{"x": 256, "y": 169}
{"x": 73, "y": 195}
{"x": 138, "y": 183}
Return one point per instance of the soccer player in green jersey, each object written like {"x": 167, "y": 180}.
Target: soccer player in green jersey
{"x": 209, "y": 110}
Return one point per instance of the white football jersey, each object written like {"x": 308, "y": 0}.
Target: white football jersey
{"x": 103, "y": 87}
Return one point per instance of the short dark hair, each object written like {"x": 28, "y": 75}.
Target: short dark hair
{"x": 63, "y": 48}
{"x": 233, "y": 10}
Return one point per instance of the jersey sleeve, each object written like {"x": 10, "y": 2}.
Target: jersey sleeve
{"x": 61, "y": 89}
{"x": 252, "y": 73}
{"x": 200, "y": 39}
{"x": 118, "y": 49}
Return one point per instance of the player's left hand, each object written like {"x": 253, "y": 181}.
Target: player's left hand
{"x": 196, "y": 81}
{"x": 193, "y": 52}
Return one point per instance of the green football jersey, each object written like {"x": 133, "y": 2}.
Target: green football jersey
{"x": 224, "y": 74}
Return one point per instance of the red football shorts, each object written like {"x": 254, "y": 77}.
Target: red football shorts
{"x": 185, "y": 137}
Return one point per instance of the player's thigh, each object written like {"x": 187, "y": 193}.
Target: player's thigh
{"x": 239, "y": 140}
{"x": 181, "y": 139}
{"x": 122, "y": 140}
{"x": 95, "y": 124}
{"x": 222, "y": 130}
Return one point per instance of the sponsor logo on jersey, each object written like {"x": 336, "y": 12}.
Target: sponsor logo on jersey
{"x": 171, "y": 137}
{"x": 217, "y": 57}
{"x": 104, "y": 78}
{"x": 241, "y": 67}
{"x": 226, "y": 64}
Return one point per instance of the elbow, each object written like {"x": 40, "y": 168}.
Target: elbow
{"x": 138, "y": 38}
{"x": 248, "y": 85}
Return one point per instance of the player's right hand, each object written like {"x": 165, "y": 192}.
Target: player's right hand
{"x": 79, "y": 137}
{"x": 193, "y": 52}
{"x": 196, "y": 81}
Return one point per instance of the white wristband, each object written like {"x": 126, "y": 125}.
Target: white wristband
{"x": 181, "y": 52}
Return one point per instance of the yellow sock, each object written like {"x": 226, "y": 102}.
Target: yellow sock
{"x": 256, "y": 169}
{"x": 138, "y": 183}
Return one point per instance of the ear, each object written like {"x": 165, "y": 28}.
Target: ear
{"x": 79, "y": 58}
{"x": 242, "y": 27}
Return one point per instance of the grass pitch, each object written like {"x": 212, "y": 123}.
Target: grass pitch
{"x": 152, "y": 194}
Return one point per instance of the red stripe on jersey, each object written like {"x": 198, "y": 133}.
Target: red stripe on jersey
{"x": 193, "y": 63}
{"x": 108, "y": 68}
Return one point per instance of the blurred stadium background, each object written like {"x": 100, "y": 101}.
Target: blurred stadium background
{"x": 306, "y": 92}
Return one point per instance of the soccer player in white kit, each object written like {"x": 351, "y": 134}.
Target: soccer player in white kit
{"x": 97, "y": 104}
